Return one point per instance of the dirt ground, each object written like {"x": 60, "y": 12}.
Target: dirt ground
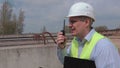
{"x": 116, "y": 41}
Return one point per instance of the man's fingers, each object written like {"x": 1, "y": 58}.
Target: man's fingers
{"x": 61, "y": 40}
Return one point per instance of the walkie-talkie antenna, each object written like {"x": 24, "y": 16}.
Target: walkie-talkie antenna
{"x": 64, "y": 27}
{"x": 63, "y": 30}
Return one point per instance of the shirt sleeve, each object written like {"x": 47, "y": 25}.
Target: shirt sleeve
{"x": 61, "y": 53}
{"x": 106, "y": 55}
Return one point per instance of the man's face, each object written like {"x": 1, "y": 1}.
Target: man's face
{"x": 77, "y": 26}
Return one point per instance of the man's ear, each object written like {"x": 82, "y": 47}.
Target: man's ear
{"x": 87, "y": 22}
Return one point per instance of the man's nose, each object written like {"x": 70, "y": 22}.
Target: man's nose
{"x": 70, "y": 25}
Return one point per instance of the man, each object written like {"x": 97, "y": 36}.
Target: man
{"x": 87, "y": 43}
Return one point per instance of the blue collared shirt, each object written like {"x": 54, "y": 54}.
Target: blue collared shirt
{"x": 105, "y": 54}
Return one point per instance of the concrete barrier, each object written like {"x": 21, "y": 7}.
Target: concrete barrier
{"x": 30, "y": 56}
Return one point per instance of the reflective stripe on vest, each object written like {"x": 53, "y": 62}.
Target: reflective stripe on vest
{"x": 88, "y": 47}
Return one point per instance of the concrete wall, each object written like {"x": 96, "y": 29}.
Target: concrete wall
{"x": 33, "y": 56}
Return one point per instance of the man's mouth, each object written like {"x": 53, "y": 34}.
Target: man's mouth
{"x": 72, "y": 30}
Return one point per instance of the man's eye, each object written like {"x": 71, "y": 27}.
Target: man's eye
{"x": 72, "y": 22}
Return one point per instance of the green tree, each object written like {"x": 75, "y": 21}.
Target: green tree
{"x": 9, "y": 23}
{"x": 20, "y": 22}
{"x": 101, "y": 28}
{"x": 44, "y": 29}
{"x": 5, "y": 14}
{"x": 67, "y": 29}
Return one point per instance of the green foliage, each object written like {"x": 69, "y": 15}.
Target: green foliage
{"x": 67, "y": 29}
{"x": 101, "y": 28}
{"x": 9, "y": 23}
{"x": 44, "y": 29}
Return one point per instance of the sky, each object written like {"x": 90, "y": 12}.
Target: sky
{"x": 51, "y": 13}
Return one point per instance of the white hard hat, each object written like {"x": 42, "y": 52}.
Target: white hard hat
{"x": 81, "y": 9}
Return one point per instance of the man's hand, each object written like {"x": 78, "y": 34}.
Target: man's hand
{"x": 61, "y": 40}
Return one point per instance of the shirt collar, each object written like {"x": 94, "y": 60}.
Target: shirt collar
{"x": 89, "y": 35}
